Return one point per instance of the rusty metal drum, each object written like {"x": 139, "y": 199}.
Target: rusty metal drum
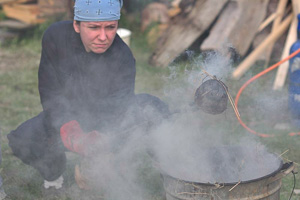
{"x": 263, "y": 188}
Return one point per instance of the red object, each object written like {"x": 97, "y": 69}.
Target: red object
{"x": 253, "y": 79}
{"x": 76, "y": 140}
{"x": 293, "y": 134}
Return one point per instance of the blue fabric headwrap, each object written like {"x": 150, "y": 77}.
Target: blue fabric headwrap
{"x": 97, "y": 10}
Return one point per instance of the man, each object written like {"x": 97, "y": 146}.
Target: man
{"x": 86, "y": 86}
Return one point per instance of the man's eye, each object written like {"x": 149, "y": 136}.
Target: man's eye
{"x": 93, "y": 27}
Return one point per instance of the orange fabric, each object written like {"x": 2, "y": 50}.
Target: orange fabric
{"x": 75, "y": 139}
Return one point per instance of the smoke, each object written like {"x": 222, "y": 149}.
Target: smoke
{"x": 192, "y": 154}
{"x": 195, "y": 146}
{"x": 190, "y": 145}
{"x": 183, "y": 81}
{"x": 119, "y": 173}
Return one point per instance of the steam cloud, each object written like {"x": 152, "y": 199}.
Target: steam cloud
{"x": 190, "y": 145}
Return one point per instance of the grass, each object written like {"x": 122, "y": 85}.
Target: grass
{"x": 19, "y": 101}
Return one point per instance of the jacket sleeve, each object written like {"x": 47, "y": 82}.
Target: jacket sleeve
{"x": 50, "y": 88}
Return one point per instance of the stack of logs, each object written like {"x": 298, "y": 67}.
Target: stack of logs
{"x": 252, "y": 28}
{"x": 31, "y": 12}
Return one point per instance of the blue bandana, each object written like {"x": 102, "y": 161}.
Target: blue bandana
{"x": 97, "y": 10}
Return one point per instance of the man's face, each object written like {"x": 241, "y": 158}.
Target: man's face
{"x": 96, "y": 36}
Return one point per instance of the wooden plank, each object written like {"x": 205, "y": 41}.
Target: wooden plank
{"x": 175, "y": 9}
{"x": 154, "y": 12}
{"x": 236, "y": 26}
{"x": 296, "y": 7}
{"x": 6, "y": 1}
{"x": 269, "y": 20}
{"x": 52, "y": 7}
{"x": 280, "y": 11}
{"x": 26, "y": 1}
{"x": 49, "y": 11}
{"x": 291, "y": 38}
{"x": 184, "y": 29}
{"x": 27, "y": 13}
{"x": 52, "y": 3}
{"x": 283, "y": 69}
{"x": 222, "y": 29}
{"x": 246, "y": 64}
{"x": 17, "y": 1}
{"x": 14, "y": 24}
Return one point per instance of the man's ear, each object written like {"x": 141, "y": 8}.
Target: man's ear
{"x": 76, "y": 26}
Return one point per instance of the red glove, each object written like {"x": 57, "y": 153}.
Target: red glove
{"x": 76, "y": 140}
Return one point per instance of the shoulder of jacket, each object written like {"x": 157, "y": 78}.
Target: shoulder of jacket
{"x": 122, "y": 46}
{"x": 58, "y": 27}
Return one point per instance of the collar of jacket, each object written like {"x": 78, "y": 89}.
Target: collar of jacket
{"x": 76, "y": 41}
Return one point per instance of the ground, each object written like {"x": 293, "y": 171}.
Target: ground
{"x": 261, "y": 108}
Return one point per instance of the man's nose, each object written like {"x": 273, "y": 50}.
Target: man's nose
{"x": 102, "y": 34}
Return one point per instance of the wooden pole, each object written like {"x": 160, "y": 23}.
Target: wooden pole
{"x": 267, "y": 21}
{"x": 283, "y": 69}
{"x": 280, "y": 10}
{"x": 271, "y": 18}
{"x": 291, "y": 38}
{"x": 246, "y": 64}
{"x": 296, "y": 7}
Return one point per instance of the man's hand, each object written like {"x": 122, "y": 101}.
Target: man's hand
{"x": 76, "y": 140}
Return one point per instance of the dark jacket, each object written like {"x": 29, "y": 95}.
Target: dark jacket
{"x": 97, "y": 90}
{"x": 94, "y": 89}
